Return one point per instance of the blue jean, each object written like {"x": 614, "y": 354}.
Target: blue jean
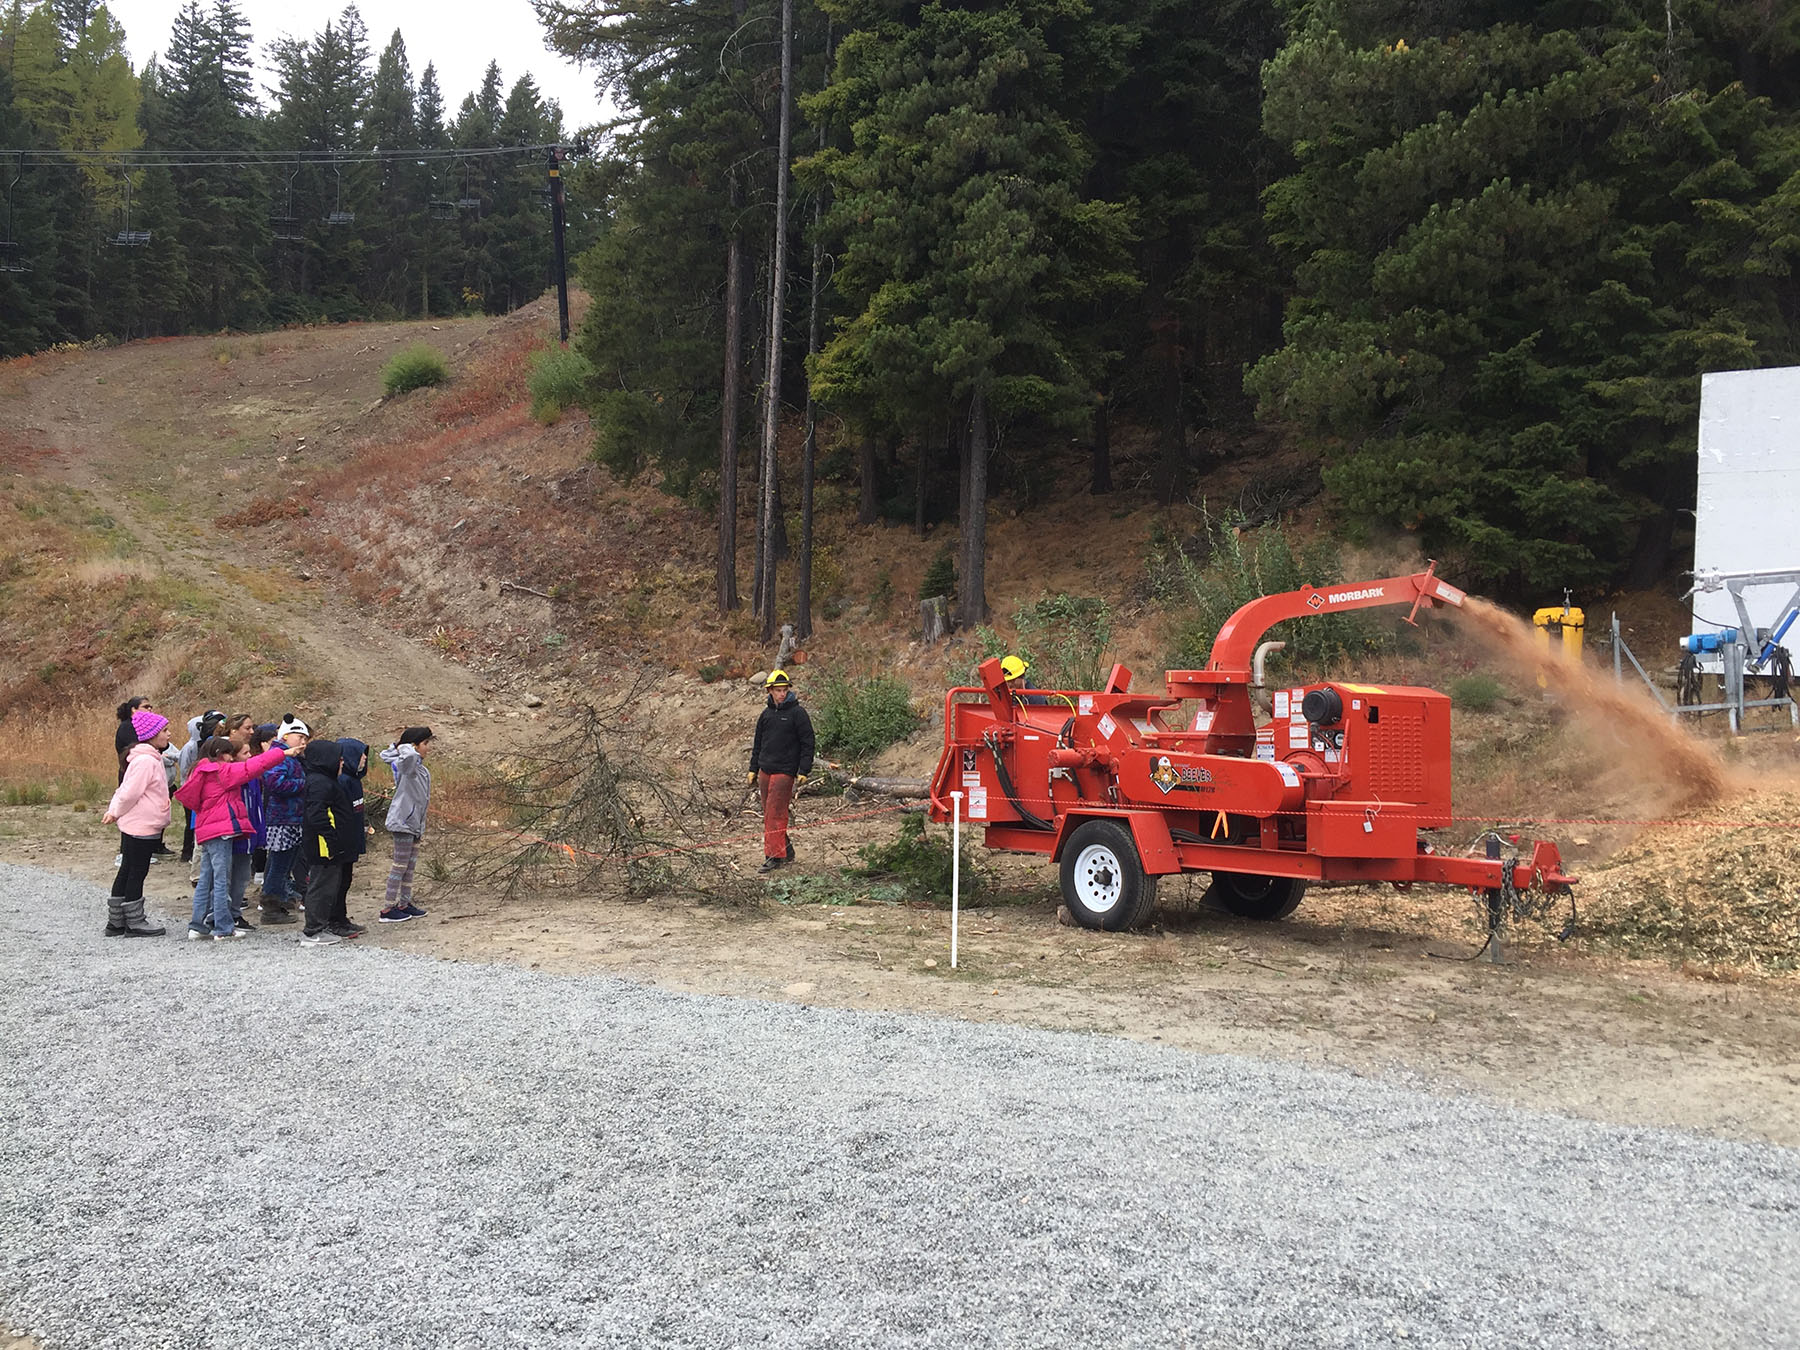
{"x": 241, "y": 864}
{"x": 275, "y": 876}
{"x": 213, "y": 895}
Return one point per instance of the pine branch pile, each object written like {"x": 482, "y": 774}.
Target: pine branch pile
{"x": 602, "y": 812}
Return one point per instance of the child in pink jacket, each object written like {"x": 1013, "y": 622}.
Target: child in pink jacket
{"x": 140, "y": 808}
{"x": 214, "y": 792}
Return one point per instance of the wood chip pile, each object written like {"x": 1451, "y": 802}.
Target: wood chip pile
{"x": 1721, "y": 887}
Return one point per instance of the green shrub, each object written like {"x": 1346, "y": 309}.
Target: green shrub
{"x": 858, "y": 718}
{"x": 558, "y": 381}
{"x": 940, "y": 577}
{"x": 1237, "y": 566}
{"x": 1063, "y": 639}
{"x": 414, "y": 367}
{"x": 920, "y": 862}
{"x": 1476, "y": 693}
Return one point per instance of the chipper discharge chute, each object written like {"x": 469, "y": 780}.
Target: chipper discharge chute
{"x": 1123, "y": 788}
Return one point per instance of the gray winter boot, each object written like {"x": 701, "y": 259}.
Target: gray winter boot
{"x": 115, "y": 916}
{"x": 136, "y": 925}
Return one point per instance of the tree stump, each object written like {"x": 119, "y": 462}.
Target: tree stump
{"x": 934, "y": 618}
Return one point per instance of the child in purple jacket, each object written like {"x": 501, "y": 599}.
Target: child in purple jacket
{"x": 284, "y": 816}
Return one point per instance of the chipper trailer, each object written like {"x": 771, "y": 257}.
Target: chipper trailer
{"x": 1121, "y": 788}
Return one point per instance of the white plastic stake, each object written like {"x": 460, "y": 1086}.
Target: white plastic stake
{"x": 955, "y": 867}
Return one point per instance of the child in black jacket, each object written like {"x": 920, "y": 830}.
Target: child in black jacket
{"x": 355, "y": 755}
{"x": 331, "y": 832}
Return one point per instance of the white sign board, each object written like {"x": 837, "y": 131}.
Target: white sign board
{"x": 1747, "y": 502}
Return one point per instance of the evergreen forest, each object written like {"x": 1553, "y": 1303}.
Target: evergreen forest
{"x": 224, "y": 188}
{"x": 1474, "y": 255}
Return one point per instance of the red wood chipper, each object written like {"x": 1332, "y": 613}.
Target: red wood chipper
{"x": 1124, "y": 788}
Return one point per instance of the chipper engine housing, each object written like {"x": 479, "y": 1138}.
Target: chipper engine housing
{"x": 1123, "y": 788}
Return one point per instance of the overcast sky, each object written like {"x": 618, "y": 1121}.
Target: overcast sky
{"x": 459, "y": 38}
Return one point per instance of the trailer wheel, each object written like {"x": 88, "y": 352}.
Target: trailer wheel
{"x": 1257, "y": 897}
{"x": 1103, "y": 881}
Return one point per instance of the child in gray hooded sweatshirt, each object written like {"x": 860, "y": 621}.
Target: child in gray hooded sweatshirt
{"x": 406, "y": 819}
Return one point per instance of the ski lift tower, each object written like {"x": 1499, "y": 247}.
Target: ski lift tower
{"x": 12, "y": 252}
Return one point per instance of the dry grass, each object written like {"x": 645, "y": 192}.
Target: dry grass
{"x": 99, "y": 571}
{"x": 495, "y": 380}
{"x": 60, "y": 758}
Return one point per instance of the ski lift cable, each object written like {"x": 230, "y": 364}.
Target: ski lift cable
{"x": 280, "y": 158}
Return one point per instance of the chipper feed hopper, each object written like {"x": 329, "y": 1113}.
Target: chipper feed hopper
{"x": 1123, "y": 788}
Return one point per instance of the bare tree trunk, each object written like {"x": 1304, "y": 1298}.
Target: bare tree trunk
{"x": 971, "y": 587}
{"x": 921, "y": 481}
{"x": 777, "y": 298}
{"x": 1172, "y": 475}
{"x": 731, "y": 415}
{"x": 810, "y": 446}
{"x": 1101, "y": 482}
{"x": 866, "y": 505}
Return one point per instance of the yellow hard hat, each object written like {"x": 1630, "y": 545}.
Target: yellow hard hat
{"x": 777, "y": 679}
{"x": 1012, "y": 667}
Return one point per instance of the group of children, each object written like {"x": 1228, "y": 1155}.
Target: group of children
{"x": 260, "y": 796}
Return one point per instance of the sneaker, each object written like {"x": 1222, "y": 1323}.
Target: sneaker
{"x": 345, "y": 930}
{"x": 770, "y": 864}
{"x": 350, "y": 926}
{"x": 395, "y": 915}
{"x": 232, "y": 936}
{"x": 198, "y": 934}
{"x": 323, "y": 938}
{"x": 277, "y": 915}
{"x": 412, "y": 911}
{"x": 241, "y": 922}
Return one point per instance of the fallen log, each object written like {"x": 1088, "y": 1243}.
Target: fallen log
{"x": 890, "y": 787}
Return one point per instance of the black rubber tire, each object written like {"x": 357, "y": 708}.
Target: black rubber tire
{"x": 1257, "y": 897}
{"x": 1134, "y": 892}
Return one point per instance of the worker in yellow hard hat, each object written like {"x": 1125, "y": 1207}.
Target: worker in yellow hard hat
{"x": 1012, "y": 669}
{"x": 781, "y": 757}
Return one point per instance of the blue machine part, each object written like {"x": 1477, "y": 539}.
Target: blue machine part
{"x": 1768, "y": 648}
{"x": 1701, "y": 644}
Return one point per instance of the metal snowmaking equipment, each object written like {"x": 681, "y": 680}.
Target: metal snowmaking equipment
{"x": 1746, "y": 650}
{"x": 1124, "y": 788}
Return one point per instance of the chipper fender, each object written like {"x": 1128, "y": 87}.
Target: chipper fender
{"x": 1149, "y": 833}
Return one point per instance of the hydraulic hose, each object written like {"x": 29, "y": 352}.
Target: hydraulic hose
{"x": 1030, "y": 818}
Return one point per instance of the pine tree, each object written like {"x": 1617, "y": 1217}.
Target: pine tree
{"x": 1517, "y": 250}
{"x": 223, "y": 208}
{"x": 438, "y": 187}
{"x": 398, "y": 211}
{"x": 27, "y": 275}
{"x": 967, "y": 246}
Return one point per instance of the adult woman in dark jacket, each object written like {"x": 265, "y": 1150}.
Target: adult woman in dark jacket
{"x": 780, "y": 758}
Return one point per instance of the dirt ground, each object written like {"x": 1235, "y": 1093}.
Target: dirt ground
{"x": 1350, "y": 982}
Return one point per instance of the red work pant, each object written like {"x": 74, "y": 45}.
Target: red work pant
{"x": 776, "y": 790}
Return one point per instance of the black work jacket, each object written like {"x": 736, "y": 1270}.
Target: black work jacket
{"x": 784, "y": 739}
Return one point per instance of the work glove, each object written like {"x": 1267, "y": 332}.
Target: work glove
{"x": 800, "y": 780}
{"x": 750, "y": 779}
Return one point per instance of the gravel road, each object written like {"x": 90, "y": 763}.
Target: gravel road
{"x": 259, "y": 1144}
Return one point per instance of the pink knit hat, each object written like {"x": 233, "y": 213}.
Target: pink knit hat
{"x": 146, "y": 723}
